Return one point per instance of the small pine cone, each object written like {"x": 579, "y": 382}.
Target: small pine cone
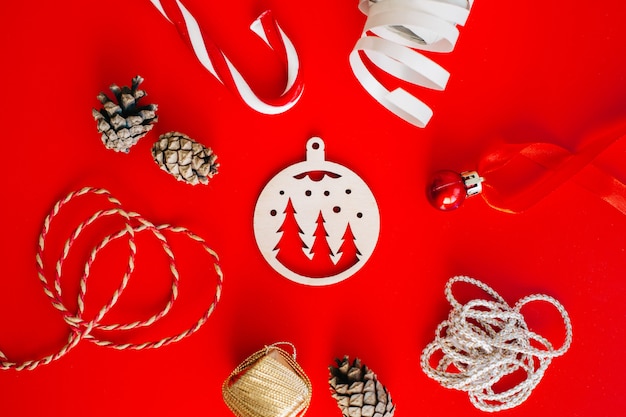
{"x": 358, "y": 391}
{"x": 124, "y": 123}
{"x": 184, "y": 158}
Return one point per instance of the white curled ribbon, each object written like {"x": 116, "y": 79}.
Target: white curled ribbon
{"x": 393, "y": 32}
{"x": 214, "y": 60}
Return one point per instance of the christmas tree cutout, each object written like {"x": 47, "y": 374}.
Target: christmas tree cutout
{"x": 291, "y": 247}
{"x": 322, "y": 262}
{"x": 348, "y": 250}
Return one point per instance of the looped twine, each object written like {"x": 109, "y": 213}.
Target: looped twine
{"x": 483, "y": 341}
{"x": 82, "y": 328}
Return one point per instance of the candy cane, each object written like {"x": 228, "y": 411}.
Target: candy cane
{"x": 214, "y": 60}
{"x": 392, "y": 32}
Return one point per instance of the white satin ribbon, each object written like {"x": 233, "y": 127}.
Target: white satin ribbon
{"x": 393, "y": 31}
{"x": 264, "y": 27}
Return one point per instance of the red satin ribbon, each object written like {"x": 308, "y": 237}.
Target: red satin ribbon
{"x": 520, "y": 175}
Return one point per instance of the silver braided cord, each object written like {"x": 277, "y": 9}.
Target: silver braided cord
{"x": 483, "y": 341}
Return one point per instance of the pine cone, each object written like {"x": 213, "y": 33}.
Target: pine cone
{"x": 184, "y": 158}
{"x": 123, "y": 124}
{"x": 357, "y": 390}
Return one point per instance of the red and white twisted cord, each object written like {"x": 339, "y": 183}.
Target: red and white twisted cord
{"x": 483, "y": 341}
{"x": 216, "y": 62}
{"x": 393, "y": 32}
{"x": 79, "y": 326}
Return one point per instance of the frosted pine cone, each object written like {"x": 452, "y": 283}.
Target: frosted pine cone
{"x": 358, "y": 391}
{"x": 184, "y": 158}
{"x": 123, "y": 123}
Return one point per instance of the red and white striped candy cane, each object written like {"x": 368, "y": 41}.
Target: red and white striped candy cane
{"x": 214, "y": 60}
{"x": 393, "y": 31}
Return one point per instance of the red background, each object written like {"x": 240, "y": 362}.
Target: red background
{"x": 532, "y": 71}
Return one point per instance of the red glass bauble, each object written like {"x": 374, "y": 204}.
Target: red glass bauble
{"x": 446, "y": 190}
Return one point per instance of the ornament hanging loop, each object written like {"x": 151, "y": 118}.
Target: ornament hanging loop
{"x": 315, "y": 150}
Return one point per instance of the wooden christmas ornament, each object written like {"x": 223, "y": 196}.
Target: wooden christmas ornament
{"x": 269, "y": 383}
{"x": 124, "y": 122}
{"x": 184, "y": 158}
{"x": 358, "y": 391}
{"x": 316, "y": 222}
